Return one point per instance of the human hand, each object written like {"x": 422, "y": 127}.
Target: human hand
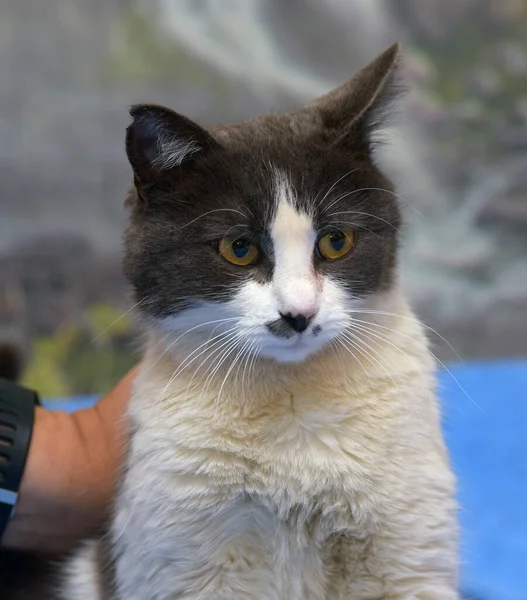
{"x": 70, "y": 474}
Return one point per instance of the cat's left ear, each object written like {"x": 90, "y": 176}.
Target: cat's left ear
{"x": 160, "y": 140}
{"x": 359, "y": 107}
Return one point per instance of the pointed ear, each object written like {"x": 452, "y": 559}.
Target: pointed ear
{"x": 159, "y": 140}
{"x": 361, "y": 103}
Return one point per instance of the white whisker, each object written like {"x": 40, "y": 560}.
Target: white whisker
{"x": 140, "y": 302}
{"x": 333, "y": 187}
{"x": 209, "y": 344}
{"x": 231, "y": 367}
{"x": 357, "y": 343}
{"x": 358, "y": 212}
{"x": 373, "y": 189}
{"x": 358, "y": 225}
{"x": 211, "y": 212}
{"x": 341, "y": 342}
{"x": 228, "y": 351}
{"x": 182, "y": 365}
{"x": 364, "y": 330}
{"x": 245, "y": 363}
{"x": 425, "y": 347}
{"x": 221, "y": 344}
{"x": 372, "y": 311}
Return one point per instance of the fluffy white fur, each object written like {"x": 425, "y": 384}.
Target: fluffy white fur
{"x": 308, "y": 474}
{"x": 81, "y": 580}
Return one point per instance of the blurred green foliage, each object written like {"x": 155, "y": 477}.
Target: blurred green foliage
{"x": 88, "y": 359}
{"x": 480, "y": 77}
{"x": 141, "y": 52}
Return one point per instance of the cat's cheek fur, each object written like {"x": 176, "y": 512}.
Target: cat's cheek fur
{"x": 239, "y": 325}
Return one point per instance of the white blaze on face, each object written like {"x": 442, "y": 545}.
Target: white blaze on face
{"x": 295, "y": 288}
{"x": 295, "y": 284}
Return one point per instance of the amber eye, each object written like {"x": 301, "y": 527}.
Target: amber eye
{"x": 335, "y": 244}
{"x": 238, "y": 251}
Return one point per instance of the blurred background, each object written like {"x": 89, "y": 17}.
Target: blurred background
{"x": 71, "y": 68}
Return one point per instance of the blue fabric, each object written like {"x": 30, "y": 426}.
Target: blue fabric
{"x": 485, "y": 424}
{"x": 488, "y": 445}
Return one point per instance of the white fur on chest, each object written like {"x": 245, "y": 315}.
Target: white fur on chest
{"x": 318, "y": 483}
{"x": 261, "y": 485}
{"x": 308, "y": 439}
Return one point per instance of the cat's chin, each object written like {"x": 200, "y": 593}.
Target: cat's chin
{"x": 290, "y": 354}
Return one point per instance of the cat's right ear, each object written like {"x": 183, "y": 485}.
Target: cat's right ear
{"x": 159, "y": 140}
{"x": 356, "y": 110}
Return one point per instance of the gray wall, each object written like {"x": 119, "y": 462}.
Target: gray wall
{"x": 70, "y": 68}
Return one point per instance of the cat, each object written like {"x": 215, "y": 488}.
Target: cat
{"x": 286, "y": 440}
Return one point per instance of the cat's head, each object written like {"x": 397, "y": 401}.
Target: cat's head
{"x": 263, "y": 237}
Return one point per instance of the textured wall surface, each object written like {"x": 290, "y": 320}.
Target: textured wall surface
{"x": 70, "y": 68}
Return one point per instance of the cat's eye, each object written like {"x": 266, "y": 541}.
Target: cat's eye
{"x": 335, "y": 244}
{"x": 238, "y": 251}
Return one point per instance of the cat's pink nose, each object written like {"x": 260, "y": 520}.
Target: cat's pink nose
{"x": 298, "y": 322}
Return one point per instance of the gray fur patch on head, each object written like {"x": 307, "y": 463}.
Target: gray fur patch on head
{"x": 200, "y": 186}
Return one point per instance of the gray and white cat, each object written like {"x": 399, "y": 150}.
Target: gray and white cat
{"x": 286, "y": 439}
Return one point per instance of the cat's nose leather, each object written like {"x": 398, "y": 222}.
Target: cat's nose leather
{"x": 297, "y": 322}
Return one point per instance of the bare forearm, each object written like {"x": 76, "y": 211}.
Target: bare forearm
{"x": 70, "y": 474}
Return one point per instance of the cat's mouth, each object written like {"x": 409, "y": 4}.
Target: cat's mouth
{"x": 296, "y": 346}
